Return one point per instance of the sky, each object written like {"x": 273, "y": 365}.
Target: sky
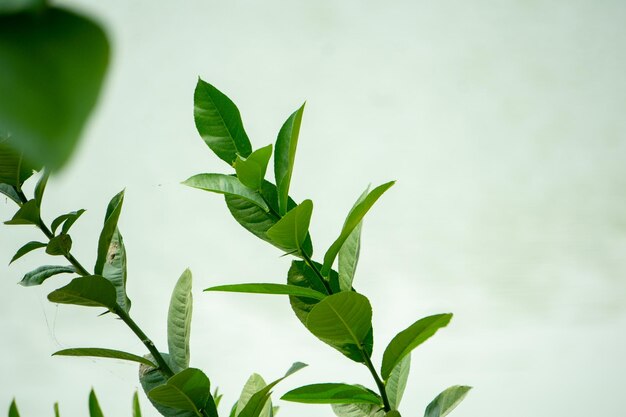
{"x": 503, "y": 124}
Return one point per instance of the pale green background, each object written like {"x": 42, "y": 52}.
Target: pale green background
{"x": 503, "y": 123}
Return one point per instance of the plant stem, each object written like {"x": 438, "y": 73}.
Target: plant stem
{"x": 379, "y": 382}
{"x": 311, "y": 265}
{"x": 163, "y": 366}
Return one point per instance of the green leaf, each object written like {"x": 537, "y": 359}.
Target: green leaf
{"x": 278, "y": 289}
{"x": 15, "y": 6}
{"x": 13, "y": 412}
{"x": 27, "y": 214}
{"x": 111, "y": 218}
{"x": 358, "y": 410}
{"x": 41, "y": 186}
{"x": 104, "y": 353}
{"x": 393, "y": 413}
{"x": 67, "y": 220}
{"x": 219, "y": 123}
{"x": 115, "y": 269}
{"x": 89, "y": 291}
{"x": 56, "y": 410}
{"x": 258, "y": 221}
{"x": 445, "y": 402}
{"x": 251, "y": 170}
{"x": 396, "y": 383}
{"x": 285, "y": 155}
{"x": 11, "y": 192}
{"x": 301, "y": 275}
{"x": 290, "y": 232}
{"x": 227, "y": 185}
{"x": 344, "y": 321}
{"x": 188, "y": 390}
{"x": 59, "y": 245}
{"x": 94, "y": 407}
{"x": 13, "y": 169}
{"x": 349, "y": 252}
{"x": 27, "y": 248}
{"x": 332, "y": 393}
{"x": 136, "y": 408}
{"x": 39, "y": 275}
{"x": 150, "y": 378}
{"x": 52, "y": 67}
{"x": 352, "y": 221}
{"x": 255, "y": 406}
{"x": 410, "y": 338}
{"x": 254, "y": 384}
{"x": 179, "y": 322}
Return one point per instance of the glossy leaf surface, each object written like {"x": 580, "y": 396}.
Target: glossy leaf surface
{"x": 219, "y": 123}
{"x": 228, "y": 185}
{"x": 278, "y": 289}
{"x": 358, "y": 410}
{"x": 51, "y": 72}
{"x": 27, "y": 248}
{"x": 290, "y": 232}
{"x": 59, "y": 245}
{"x": 349, "y": 252}
{"x": 251, "y": 170}
{"x": 104, "y": 353}
{"x": 285, "y": 155}
{"x": 109, "y": 228}
{"x": 352, "y": 221}
{"x": 445, "y": 402}
{"x": 253, "y": 385}
{"x": 410, "y": 338}
{"x": 67, "y": 220}
{"x": 179, "y": 322}
{"x": 396, "y": 383}
{"x": 344, "y": 321}
{"x": 10, "y": 192}
{"x": 301, "y": 275}
{"x": 188, "y": 390}
{"x": 13, "y": 169}
{"x": 332, "y": 393}
{"x": 94, "y": 406}
{"x": 114, "y": 269}
{"x": 90, "y": 291}
{"x": 40, "y": 188}
{"x": 27, "y": 214}
{"x": 39, "y": 275}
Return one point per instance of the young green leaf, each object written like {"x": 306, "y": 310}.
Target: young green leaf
{"x": 150, "y": 378}
{"x": 111, "y": 218}
{"x": 27, "y": 214}
{"x": 227, "y": 185}
{"x": 344, "y": 321}
{"x": 59, "y": 245}
{"x": 219, "y": 123}
{"x": 67, "y": 220}
{"x": 13, "y": 169}
{"x": 188, "y": 390}
{"x": 285, "y": 155}
{"x": 332, "y": 393}
{"x": 255, "y": 406}
{"x": 410, "y": 338}
{"x": 290, "y": 232}
{"x": 89, "y": 291}
{"x": 136, "y": 408}
{"x": 254, "y": 384}
{"x": 56, "y": 410}
{"x": 352, "y": 221}
{"x": 301, "y": 275}
{"x": 179, "y": 322}
{"x": 27, "y": 248}
{"x": 279, "y": 289}
{"x": 349, "y": 252}
{"x": 11, "y": 192}
{"x": 251, "y": 170}
{"x": 40, "y": 188}
{"x": 114, "y": 269}
{"x": 13, "y": 412}
{"x": 445, "y": 402}
{"x": 396, "y": 383}
{"x": 39, "y": 275}
{"x": 94, "y": 407}
{"x": 393, "y": 413}
{"x": 104, "y": 353}
{"x": 358, "y": 410}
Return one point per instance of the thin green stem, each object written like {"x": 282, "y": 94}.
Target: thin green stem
{"x": 379, "y": 383}
{"x": 163, "y": 366}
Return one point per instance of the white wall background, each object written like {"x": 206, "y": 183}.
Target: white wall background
{"x": 503, "y": 123}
